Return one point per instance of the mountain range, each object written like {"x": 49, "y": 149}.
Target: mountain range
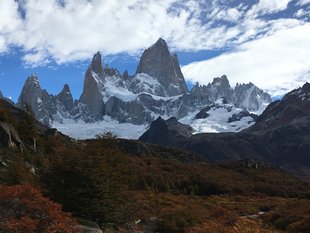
{"x": 238, "y": 177}
{"x": 280, "y": 136}
{"x": 157, "y": 88}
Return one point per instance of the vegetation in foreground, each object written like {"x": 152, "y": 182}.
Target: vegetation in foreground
{"x": 128, "y": 186}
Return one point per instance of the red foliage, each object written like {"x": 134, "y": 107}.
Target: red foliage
{"x": 23, "y": 208}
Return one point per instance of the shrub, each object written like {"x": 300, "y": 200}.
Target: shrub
{"x": 23, "y": 208}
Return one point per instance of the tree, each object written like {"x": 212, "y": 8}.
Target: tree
{"x": 106, "y": 135}
{"x": 26, "y": 125}
{"x": 6, "y": 115}
{"x": 23, "y": 208}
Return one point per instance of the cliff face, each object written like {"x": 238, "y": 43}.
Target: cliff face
{"x": 157, "y": 89}
{"x": 92, "y": 95}
{"x": 158, "y": 63}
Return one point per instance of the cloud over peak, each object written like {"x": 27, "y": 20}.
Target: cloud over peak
{"x": 70, "y": 30}
{"x": 264, "y": 38}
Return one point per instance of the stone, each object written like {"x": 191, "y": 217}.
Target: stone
{"x": 158, "y": 63}
{"x": 92, "y": 95}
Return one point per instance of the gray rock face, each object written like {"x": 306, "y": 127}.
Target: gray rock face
{"x": 144, "y": 109}
{"x": 250, "y": 97}
{"x": 125, "y": 74}
{"x": 9, "y": 135}
{"x": 46, "y": 107}
{"x": 199, "y": 90}
{"x": 33, "y": 96}
{"x": 110, "y": 71}
{"x": 246, "y": 96}
{"x": 145, "y": 83}
{"x": 240, "y": 115}
{"x": 92, "y": 95}
{"x": 1, "y": 95}
{"x": 157, "y": 62}
{"x": 128, "y": 112}
{"x": 65, "y": 97}
{"x": 220, "y": 87}
{"x": 157, "y": 89}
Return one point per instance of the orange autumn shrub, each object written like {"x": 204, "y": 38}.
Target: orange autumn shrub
{"x": 23, "y": 208}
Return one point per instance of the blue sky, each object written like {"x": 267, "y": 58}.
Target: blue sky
{"x": 261, "y": 41}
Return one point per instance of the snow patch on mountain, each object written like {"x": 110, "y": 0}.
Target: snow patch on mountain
{"x": 81, "y": 130}
{"x": 219, "y": 117}
{"x": 114, "y": 86}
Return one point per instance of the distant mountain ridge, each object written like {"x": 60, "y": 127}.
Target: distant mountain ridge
{"x": 280, "y": 136}
{"x": 157, "y": 89}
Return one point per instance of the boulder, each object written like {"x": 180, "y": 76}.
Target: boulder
{"x": 9, "y": 136}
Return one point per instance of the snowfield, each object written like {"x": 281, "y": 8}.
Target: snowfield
{"x": 82, "y": 130}
{"x": 217, "y": 121}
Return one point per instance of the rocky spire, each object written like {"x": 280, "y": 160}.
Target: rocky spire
{"x": 157, "y": 62}
{"x": 219, "y": 88}
{"x": 93, "y": 86}
{"x": 198, "y": 90}
{"x": 31, "y": 93}
{"x": 125, "y": 74}
{"x": 96, "y": 65}
{"x": 65, "y": 97}
{"x": 250, "y": 97}
{"x": 33, "y": 96}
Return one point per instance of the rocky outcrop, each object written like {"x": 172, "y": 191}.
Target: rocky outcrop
{"x": 125, "y": 74}
{"x": 128, "y": 112}
{"x": 293, "y": 110}
{"x": 245, "y": 96}
{"x": 145, "y": 108}
{"x": 34, "y": 97}
{"x": 240, "y": 115}
{"x": 110, "y": 71}
{"x": 1, "y": 95}
{"x": 219, "y": 88}
{"x": 92, "y": 95}
{"x": 158, "y": 63}
{"x": 65, "y": 97}
{"x": 161, "y": 132}
{"x": 199, "y": 90}
{"x": 250, "y": 97}
{"x": 9, "y": 136}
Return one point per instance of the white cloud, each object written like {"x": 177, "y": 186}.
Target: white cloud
{"x": 271, "y": 5}
{"x": 301, "y": 13}
{"x": 76, "y": 29}
{"x": 277, "y": 63}
{"x": 79, "y": 28}
{"x": 304, "y": 2}
{"x": 9, "y": 22}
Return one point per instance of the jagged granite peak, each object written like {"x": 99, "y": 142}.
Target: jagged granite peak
{"x": 65, "y": 97}
{"x": 126, "y": 74}
{"x": 250, "y": 97}
{"x": 198, "y": 90}
{"x": 32, "y": 96}
{"x": 110, "y": 71}
{"x": 31, "y": 92}
{"x": 96, "y": 65}
{"x": 138, "y": 100}
{"x": 92, "y": 95}
{"x": 158, "y": 63}
{"x": 220, "y": 87}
